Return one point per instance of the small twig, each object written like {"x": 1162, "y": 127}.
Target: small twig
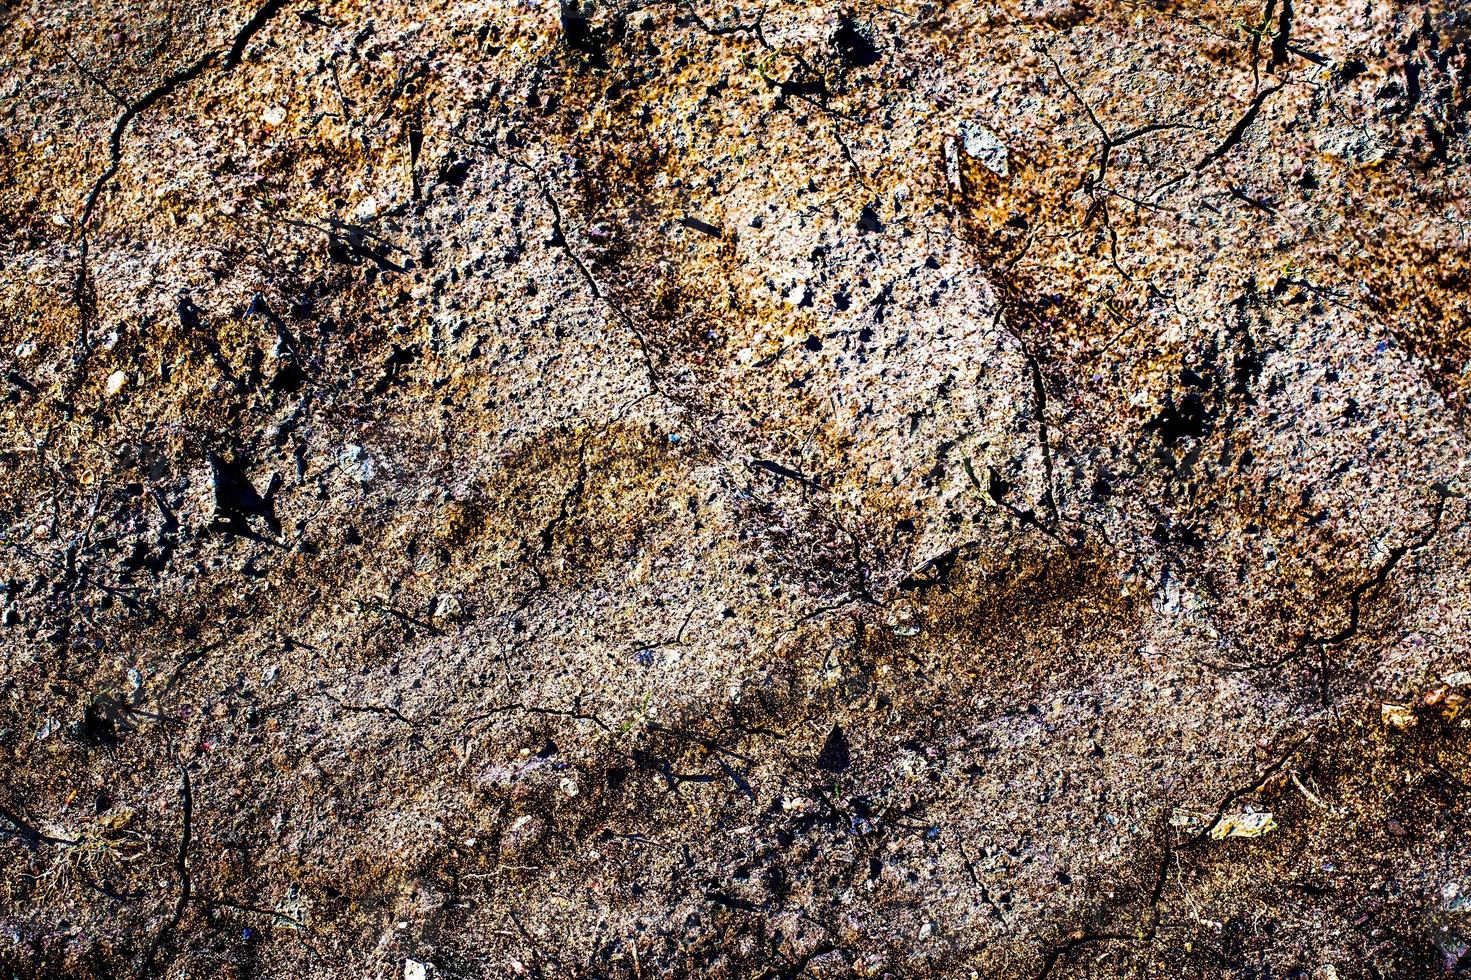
{"x": 96, "y": 79}
{"x": 559, "y": 238}
{"x": 1309, "y": 794}
{"x": 1110, "y": 142}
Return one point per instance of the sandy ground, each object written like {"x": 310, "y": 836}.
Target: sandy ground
{"x": 909, "y": 489}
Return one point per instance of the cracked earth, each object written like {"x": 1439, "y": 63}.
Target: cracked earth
{"x": 583, "y": 489}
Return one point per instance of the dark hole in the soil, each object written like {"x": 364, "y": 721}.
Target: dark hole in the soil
{"x": 834, "y": 756}
{"x": 854, "y": 43}
{"x": 1174, "y": 422}
{"x": 237, "y": 500}
{"x": 455, "y": 173}
{"x": 586, "y": 37}
{"x": 97, "y": 727}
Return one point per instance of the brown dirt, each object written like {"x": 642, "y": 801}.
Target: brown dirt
{"x": 553, "y": 489}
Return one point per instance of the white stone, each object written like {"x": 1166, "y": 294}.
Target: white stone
{"x": 357, "y": 464}
{"x": 983, "y": 145}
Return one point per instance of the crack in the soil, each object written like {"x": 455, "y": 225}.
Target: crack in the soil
{"x": 1420, "y": 540}
{"x": 1147, "y": 932}
{"x": 84, "y": 294}
{"x": 181, "y": 870}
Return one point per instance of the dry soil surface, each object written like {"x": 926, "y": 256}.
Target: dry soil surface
{"x": 906, "y": 489}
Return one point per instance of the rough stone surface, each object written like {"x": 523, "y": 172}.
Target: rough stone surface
{"x": 911, "y": 489}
